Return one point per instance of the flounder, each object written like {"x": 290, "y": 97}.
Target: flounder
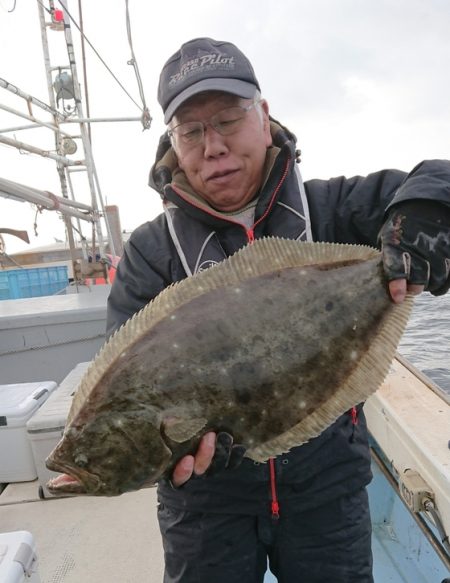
{"x": 272, "y": 345}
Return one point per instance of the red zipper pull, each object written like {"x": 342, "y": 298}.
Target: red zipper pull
{"x": 250, "y": 235}
{"x": 354, "y": 415}
{"x": 275, "y": 507}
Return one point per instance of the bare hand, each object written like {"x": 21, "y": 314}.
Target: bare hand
{"x": 198, "y": 464}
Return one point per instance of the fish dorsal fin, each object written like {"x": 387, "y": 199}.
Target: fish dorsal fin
{"x": 259, "y": 258}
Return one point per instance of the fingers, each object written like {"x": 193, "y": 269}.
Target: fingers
{"x": 198, "y": 464}
{"x": 205, "y": 453}
{"x": 406, "y": 273}
{"x": 399, "y": 287}
{"x": 415, "y": 241}
{"x": 415, "y": 289}
{"x": 236, "y": 456}
{"x": 183, "y": 471}
{"x": 224, "y": 445}
{"x": 214, "y": 454}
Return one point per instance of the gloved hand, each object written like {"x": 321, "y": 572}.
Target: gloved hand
{"x": 227, "y": 455}
{"x": 415, "y": 240}
{"x": 214, "y": 454}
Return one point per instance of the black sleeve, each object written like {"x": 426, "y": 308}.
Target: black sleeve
{"x": 429, "y": 180}
{"x": 352, "y": 210}
{"x": 146, "y": 267}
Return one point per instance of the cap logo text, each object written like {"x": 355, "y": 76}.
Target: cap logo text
{"x": 202, "y": 63}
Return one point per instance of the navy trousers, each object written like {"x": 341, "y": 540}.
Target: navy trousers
{"x": 331, "y": 544}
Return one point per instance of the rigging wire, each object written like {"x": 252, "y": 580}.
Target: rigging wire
{"x": 44, "y": 7}
{"x": 83, "y": 58}
{"x": 97, "y": 53}
{"x": 146, "y": 118}
{"x": 9, "y": 10}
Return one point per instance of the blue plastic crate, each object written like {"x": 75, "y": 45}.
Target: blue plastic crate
{"x": 33, "y": 282}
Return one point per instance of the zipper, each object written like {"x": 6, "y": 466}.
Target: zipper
{"x": 275, "y": 506}
{"x": 249, "y": 232}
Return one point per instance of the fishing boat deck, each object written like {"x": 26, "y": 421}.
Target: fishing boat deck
{"x": 117, "y": 540}
{"x": 88, "y": 539}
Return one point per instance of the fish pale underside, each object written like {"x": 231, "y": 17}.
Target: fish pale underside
{"x": 271, "y": 345}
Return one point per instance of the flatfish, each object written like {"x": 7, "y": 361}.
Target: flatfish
{"x": 271, "y": 345}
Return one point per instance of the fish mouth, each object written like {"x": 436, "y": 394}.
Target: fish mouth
{"x": 71, "y": 479}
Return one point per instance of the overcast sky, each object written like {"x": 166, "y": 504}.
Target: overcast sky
{"x": 364, "y": 84}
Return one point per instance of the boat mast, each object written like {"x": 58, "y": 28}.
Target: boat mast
{"x": 59, "y": 164}
{"x": 61, "y": 22}
{"x": 66, "y": 107}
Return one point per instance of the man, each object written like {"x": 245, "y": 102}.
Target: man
{"x": 227, "y": 174}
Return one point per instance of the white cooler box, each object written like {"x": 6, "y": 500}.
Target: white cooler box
{"x": 46, "y": 427}
{"x": 18, "y": 560}
{"x": 18, "y": 403}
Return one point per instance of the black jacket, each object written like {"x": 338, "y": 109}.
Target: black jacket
{"x": 340, "y": 210}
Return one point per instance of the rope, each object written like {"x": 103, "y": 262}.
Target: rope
{"x": 39, "y": 209}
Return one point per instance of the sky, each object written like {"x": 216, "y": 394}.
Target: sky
{"x": 364, "y": 85}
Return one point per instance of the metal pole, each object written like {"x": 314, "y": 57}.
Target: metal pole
{"x": 30, "y": 99}
{"x": 60, "y": 167}
{"x": 41, "y": 198}
{"x": 32, "y": 118}
{"x": 62, "y": 160}
{"x": 9, "y": 184}
{"x": 19, "y": 128}
{"x": 100, "y": 119}
{"x": 84, "y": 130}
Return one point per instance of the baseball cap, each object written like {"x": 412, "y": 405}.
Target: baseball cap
{"x": 204, "y": 64}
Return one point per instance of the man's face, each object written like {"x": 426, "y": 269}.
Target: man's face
{"x": 224, "y": 170}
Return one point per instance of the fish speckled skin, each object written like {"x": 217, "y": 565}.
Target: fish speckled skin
{"x": 272, "y": 345}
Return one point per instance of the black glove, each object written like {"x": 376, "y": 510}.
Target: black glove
{"x": 227, "y": 454}
{"x": 415, "y": 241}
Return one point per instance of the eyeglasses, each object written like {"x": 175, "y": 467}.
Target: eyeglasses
{"x": 226, "y": 122}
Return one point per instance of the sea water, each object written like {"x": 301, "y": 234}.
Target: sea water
{"x": 426, "y": 342}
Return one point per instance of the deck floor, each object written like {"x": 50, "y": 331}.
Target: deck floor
{"x": 117, "y": 540}
{"x": 88, "y": 540}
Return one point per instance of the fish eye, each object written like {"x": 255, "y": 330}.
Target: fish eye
{"x": 81, "y": 460}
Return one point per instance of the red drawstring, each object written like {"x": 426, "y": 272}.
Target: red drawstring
{"x": 275, "y": 505}
{"x": 354, "y": 415}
